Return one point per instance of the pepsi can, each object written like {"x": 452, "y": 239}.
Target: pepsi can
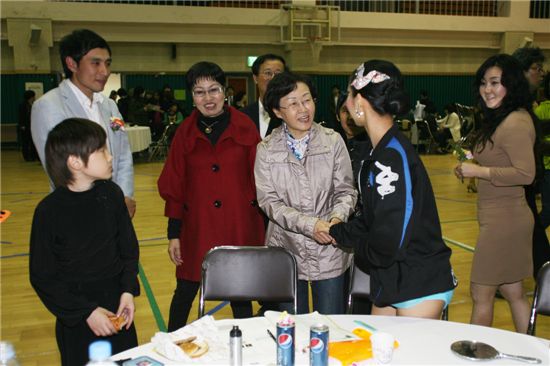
{"x": 285, "y": 344}
{"x": 318, "y": 345}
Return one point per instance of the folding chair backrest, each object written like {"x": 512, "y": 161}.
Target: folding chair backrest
{"x": 240, "y": 273}
{"x": 359, "y": 285}
{"x": 541, "y": 299}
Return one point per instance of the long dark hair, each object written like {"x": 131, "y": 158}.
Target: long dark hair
{"x": 517, "y": 96}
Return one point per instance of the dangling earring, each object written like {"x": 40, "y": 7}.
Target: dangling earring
{"x": 359, "y": 113}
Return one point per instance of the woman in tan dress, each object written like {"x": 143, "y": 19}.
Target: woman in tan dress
{"x": 503, "y": 147}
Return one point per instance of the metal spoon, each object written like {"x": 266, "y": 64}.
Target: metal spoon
{"x": 478, "y": 351}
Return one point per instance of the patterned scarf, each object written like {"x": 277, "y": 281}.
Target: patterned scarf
{"x": 297, "y": 146}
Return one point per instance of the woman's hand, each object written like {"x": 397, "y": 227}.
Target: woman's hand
{"x": 320, "y": 232}
{"x": 175, "y": 252}
{"x": 470, "y": 170}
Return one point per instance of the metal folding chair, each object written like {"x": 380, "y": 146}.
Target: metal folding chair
{"x": 238, "y": 273}
{"x": 541, "y": 299}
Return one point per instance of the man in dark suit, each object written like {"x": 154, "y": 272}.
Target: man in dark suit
{"x": 264, "y": 69}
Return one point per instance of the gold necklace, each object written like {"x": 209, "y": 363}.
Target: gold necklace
{"x": 208, "y": 129}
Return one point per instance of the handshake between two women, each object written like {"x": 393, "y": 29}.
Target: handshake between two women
{"x": 321, "y": 231}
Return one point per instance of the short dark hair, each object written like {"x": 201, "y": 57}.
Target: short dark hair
{"x": 204, "y": 70}
{"x": 387, "y": 96}
{"x": 517, "y": 94}
{"x": 283, "y": 84}
{"x": 264, "y": 58}
{"x": 73, "y": 136}
{"x": 28, "y": 94}
{"x": 77, "y": 44}
{"x": 528, "y": 56}
{"x": 122, "y": 92}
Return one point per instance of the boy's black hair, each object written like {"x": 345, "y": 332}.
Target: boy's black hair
{"x": 73, "y": 136}
{"x": 263, "y": 58}
{"x": 77, "y": 44}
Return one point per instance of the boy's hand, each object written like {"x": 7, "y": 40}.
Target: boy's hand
{"x": 174, "y": 251}
{"x": 131, "y": 205}
{"x": 126, "y": 308}
{"x": 99, "y": 322}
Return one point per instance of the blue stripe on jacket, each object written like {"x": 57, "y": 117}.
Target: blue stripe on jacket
{"x": 396, "y": 145}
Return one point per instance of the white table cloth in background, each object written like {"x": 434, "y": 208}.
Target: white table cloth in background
{"x": 421, "y": 341}
{"x": 139, "y": 137}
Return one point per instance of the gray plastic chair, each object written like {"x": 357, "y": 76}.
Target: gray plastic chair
{"x": 359, "y": 286}
{"x": 541, "y": 299}
{"x": 238, "y": 273}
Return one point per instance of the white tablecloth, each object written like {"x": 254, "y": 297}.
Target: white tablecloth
{"x": 421, "y": 341}
{"x": 139, "y": 137}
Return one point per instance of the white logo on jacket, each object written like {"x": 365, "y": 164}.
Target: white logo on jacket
{"x": 385, "y": 178}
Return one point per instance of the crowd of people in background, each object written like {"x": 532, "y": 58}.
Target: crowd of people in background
{"x": 325, "y": 194}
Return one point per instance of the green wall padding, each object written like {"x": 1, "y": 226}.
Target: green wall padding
{"x": 13, "y": 87}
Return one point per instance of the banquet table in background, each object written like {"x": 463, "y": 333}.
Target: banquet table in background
{"x": 139, "y": 137}
{"x": 421, "y": 341}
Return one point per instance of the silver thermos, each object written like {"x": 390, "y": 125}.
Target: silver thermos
{"x": 236, "y": 346}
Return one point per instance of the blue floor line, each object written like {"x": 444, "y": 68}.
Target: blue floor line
{"x": 217, "y": 308}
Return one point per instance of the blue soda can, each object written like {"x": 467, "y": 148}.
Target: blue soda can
{"x": 285, "y": 345}
{"x": 318, "y": 345}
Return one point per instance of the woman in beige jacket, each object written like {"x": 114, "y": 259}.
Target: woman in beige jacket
{"x": 304, "y": 182}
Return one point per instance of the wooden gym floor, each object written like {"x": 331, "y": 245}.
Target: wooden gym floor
{"x": 27, "y": 323}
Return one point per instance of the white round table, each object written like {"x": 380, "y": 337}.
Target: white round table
{"x": 139, "y": 137}
{"x": 421, "y": 341}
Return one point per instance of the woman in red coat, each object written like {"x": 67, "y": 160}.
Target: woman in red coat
{"x": 208, "y": 185}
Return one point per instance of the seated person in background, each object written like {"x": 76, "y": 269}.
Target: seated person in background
{"x": 448, "y": 127}
{"x": 137, "y": 108}
{"x": 83, "y": 251}
{"x": 173, "y": 116}
{"x": 543, "y": 113}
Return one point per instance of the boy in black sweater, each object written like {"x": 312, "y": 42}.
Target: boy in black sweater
{"x": 84, "y": 251}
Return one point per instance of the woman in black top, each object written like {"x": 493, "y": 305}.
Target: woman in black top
{"x": 398, "y": 233}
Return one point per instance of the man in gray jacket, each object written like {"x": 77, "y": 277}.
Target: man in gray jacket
{"x": 86, "y": 60}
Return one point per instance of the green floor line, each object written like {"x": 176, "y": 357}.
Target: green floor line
{"x": 459, "y": 244}
{"x": 152, "y": 302}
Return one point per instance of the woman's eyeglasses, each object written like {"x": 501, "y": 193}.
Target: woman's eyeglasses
{"x": 295, "y": 105}
{"x": 213, "y": 92}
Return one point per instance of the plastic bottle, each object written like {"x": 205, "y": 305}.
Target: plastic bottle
{"x": 99, "y": 353}
{"x": 236, "y": 346}
{"x": 7, "y": 355}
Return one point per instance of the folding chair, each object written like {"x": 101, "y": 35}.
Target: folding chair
{"x": 359, "y": 286}
{"x": 160, "y": 147}
{"x": 541, "y": 299}
{"x": 238, "y": 273}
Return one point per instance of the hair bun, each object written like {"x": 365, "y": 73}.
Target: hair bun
{"x": 396, "y": 100}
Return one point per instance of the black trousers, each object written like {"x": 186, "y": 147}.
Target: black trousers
{"x": 73, "y": 338}
{"x": 182, "y": 301}
{"x": 541, "y": 246}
